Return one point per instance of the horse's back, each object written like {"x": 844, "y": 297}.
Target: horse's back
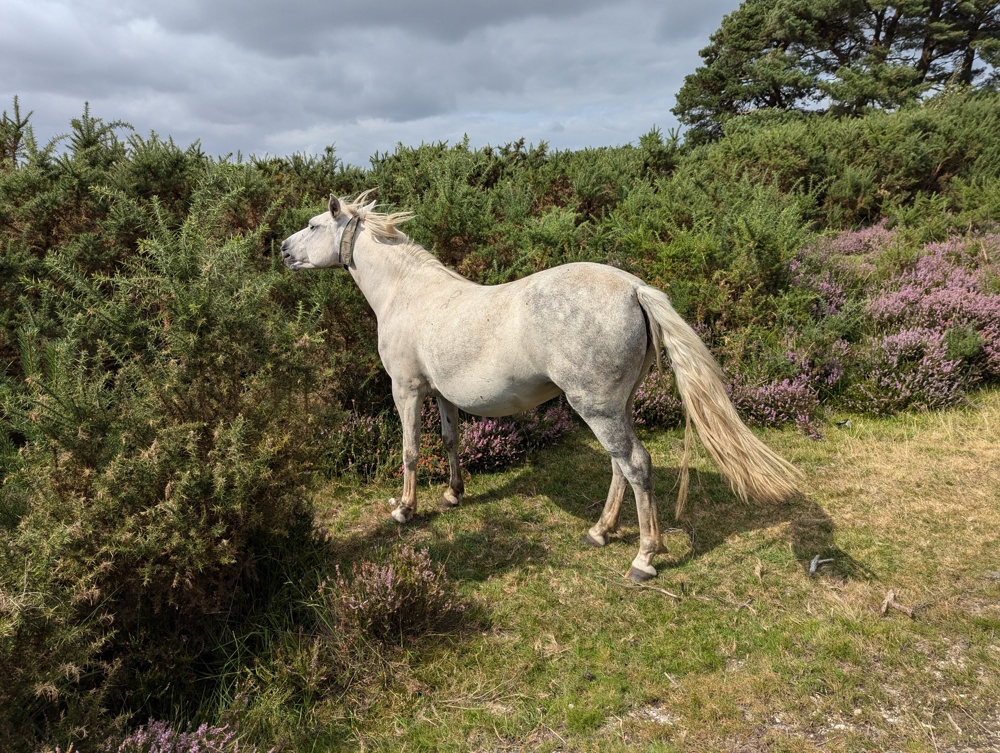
{"x": 501, "y": 349}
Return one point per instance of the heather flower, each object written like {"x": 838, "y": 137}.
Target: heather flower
{"x": 991, "y": 349}
{"x": 831, "y": 294}
{"x": 432, "y": 459}
{"x": 656, "y": 403}
{"x": 908, "y": 369}
{"x": 160, "y": 737}
{"x": 826, "y": 366}
{"x": 365, "y": 443}
{"x": 490, "y": 444}
{"x": 833, "y": 269}
{"x": 406, "y": 595}
{"x": 778, "y": 403}
{"x": 869, "y": 241}
{"x": 548, "y": 424}
{"x": 497, "y": 443}
{"x": 953, "y": 286}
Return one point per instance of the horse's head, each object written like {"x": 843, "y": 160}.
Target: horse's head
{"x": 319, "y": 244}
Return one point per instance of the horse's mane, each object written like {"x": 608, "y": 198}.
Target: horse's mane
{"x": 383, "y": 225}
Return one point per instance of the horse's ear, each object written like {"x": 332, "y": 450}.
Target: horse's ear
{"x": 334, "y": 206}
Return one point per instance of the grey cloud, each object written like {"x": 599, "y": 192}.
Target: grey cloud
{"x": 693, "y": 20}
{"x": 269, "y": 77}
{"x": 297, "y": 27}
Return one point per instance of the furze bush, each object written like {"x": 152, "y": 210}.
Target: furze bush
{"x": 170, "y": 429}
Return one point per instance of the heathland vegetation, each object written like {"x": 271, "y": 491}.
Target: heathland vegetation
{"x": 172, "y": 400}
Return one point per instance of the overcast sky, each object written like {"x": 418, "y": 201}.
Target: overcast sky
{"x": 261, "y": 77}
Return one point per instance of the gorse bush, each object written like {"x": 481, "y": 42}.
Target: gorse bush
{"x": 169, "y": 432}
{"x": 365, "y": 444}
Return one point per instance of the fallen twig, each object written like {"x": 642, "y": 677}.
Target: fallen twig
{"x": 953, "y": 723}
{"x": 815, "y": 564}
{"x": 890, "y": 603}
{"x": 632, "y": 584}
{"x": 663, "y": 591}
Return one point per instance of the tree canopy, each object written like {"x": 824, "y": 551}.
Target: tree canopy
{"x": 843, "y": 56}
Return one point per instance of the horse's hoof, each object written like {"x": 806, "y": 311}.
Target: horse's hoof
{"x": 401, "y": 515}
{"x": 450, "y": 500}
{"x": 639, "y": 576}
{"x": 590, "y": 540}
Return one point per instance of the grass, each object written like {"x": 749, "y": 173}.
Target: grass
{"x": 735, "y": 647}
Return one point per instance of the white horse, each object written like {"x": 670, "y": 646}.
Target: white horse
{"x": 587, "y": 331}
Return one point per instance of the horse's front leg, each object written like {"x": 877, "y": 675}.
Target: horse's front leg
{"x": 408, "y": 403}
{"x": 449, "y": 434}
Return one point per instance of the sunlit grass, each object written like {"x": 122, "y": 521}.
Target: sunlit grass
{"x": 736, "y": 646}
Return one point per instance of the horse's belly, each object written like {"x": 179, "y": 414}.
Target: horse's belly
{"x": 495, "y": 394}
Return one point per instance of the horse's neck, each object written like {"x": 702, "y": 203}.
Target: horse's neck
{"x": 384, "y": 272}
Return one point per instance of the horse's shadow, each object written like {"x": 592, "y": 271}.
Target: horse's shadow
{"x": 576, "y": 480}
{"x": 714, "y": 514}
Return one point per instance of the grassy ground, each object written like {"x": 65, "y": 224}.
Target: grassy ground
{"x": 735, "y": 647}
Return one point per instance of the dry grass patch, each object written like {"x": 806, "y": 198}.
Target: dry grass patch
{"x": 920, "y": 499}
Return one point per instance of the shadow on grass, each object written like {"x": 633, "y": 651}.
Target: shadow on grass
{"x": 714, "y": 513}
{"x": 575, "y": 478}
{"x": 718, "y": 515}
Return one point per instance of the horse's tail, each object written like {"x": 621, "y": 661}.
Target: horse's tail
{"x": 752, "y": 468}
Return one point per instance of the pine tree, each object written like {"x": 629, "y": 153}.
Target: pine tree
{"x": 839, "y": 56}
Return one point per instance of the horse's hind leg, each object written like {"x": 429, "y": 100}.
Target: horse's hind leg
{"x": 449, "y": 434}
{"x": 616, "y": 434}
{"x": 598, "y": 535}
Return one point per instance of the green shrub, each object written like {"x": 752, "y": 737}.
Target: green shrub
{"x": 170, "y": 433}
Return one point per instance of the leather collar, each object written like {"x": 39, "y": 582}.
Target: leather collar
{"x": 347, "y": 241}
